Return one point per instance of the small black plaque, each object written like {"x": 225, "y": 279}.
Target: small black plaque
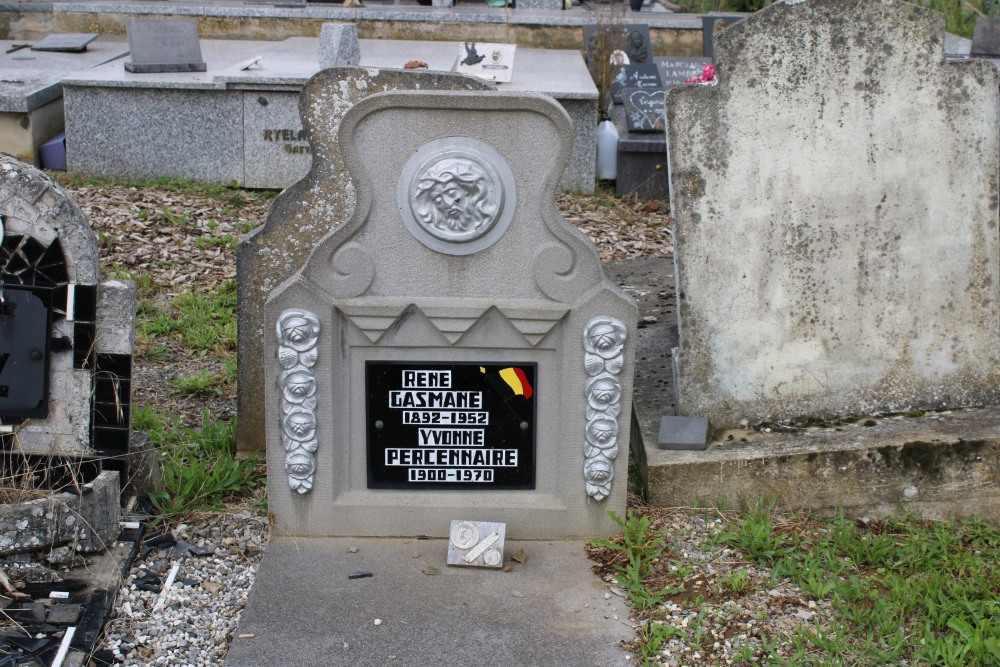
{"x": 646, "y": 75}
{"x": 644, "y": 109}
{"x": 455, "y": 426}
{"x": 24, "y": 324}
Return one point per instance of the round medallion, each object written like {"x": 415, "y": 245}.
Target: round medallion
{"x": 465, "y": 535}
{"x": 456, "y": 195}
{"x": 492, "y": 558}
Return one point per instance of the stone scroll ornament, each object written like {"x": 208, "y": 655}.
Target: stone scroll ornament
{"x": 603, "y": 344}
{"x": 298, "y": 333}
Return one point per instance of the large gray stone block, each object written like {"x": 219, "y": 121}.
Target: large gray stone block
{"x": 835, "y": 203}
{"x": 338, "y": 45}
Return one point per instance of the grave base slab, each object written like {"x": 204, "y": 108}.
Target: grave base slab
{"x": 304, "y": 610}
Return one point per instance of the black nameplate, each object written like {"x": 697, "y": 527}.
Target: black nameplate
{"x": 24, "y": 325}
{"x": 455, "y": 426}
{"x": 632, "y": 40}
{"x": 646, "y": 75}
{"x": 644, "y": 109}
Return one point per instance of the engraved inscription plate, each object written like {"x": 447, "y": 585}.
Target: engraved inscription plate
{"x": 456, "y": 195}
{"x": 476, "y": 544}
{"x": 23, "y": 354}
{"x": 451, "y": 426}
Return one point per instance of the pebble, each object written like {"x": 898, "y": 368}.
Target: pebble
{"x": 378, "y": 622}
{"x": 193, "y": 627}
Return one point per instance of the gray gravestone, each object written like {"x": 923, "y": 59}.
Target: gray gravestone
{"x": 986, "y": 37}
{"x": 631, "y": 39}
{"x": 835, "y": 226}
{"x": 675, "y": 71}
{"x": 290, "y": 224}
{"x": 69, "y": 42}
{"x": 163, "y": 45}
{"x": 338, "y": 45}
{"x": 65, "y": 337}
{"x": 454, "y": 349}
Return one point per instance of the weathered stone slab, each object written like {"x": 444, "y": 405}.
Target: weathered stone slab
{"x": 836, "y": 218}
{"x": 304, "y": 213}
{"x": 90, "y": 520}
{"x": 455, "y": 274}
{"x": 163, "y": 45}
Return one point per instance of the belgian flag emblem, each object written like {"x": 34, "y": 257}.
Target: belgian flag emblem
{"x": 508, "y": 382}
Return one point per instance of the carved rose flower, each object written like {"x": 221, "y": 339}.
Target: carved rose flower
{"x": 298, "y": 330}
{"x": 604, "y": 337}
{"x": 300, "y": 465}
{"x": 298, "y": 385}
{"x": 604, "y": 394}
{"x": 602, "y": 432}
{"x": 598, "y": 471}
{"x": 300, "y": 425}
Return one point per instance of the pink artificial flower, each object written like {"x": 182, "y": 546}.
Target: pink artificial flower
{"x": 707, "y": 75}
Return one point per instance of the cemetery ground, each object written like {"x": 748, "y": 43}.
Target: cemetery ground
{"x": 707, "y": 586}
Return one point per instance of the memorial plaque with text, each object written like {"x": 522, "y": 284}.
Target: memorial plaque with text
{"x": 433, "y": 425}
{"x": 646, "y": 75}
{"x": 23, "y": 354}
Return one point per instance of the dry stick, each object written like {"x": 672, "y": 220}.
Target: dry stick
{"x": 64, "y": 647}
{"x": 166, "y": 586}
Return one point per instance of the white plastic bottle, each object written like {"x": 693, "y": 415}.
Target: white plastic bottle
{"x": 607, "y": 151}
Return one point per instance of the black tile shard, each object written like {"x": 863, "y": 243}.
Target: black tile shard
{"x": 359, "y": 574}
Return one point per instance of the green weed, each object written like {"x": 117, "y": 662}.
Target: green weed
{"x": 203, "y": 323}
{"x": 642, "y": 545}
{"x": 198, "y": 467}
{"x": 202, "y": 383}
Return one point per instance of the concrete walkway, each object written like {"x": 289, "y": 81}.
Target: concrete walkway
{"x": 305, "y": 611}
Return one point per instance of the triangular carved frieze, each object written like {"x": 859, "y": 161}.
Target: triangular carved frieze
{"x": 479, "y": 323}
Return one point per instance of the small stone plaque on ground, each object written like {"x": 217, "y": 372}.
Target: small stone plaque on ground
{"x": 71, "y": 42}
{"x": 476, "y": 544}
{"x": 492, "y": 62}
{"x": 675, "y": 71}
{"x": 644, "y": 109}
{"x": 679, "y": 432}
{"x": 645, "y": 75}
{"x": 453, "y": 426}
{"x": 164, "y": 45}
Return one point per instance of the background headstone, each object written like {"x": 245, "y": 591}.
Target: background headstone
{"x": 163, "y": 45}
{"x": 986, "y": 37}
{"x": 303, "y": 214}
{"x": 645, "y": 75}
{"x": 675, "y": 71}
{"x": 338, "y": 45}
{"x": 836, "y": 218}
{"x": 644, "y": 109}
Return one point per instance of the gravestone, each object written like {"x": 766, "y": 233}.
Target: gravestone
{"x": 453, "y": 351}
{"x": 65, "y": 337}
{"x": 986, "y": 38}
{"x": 163, "y": 45}
{"x": 646, "y": 75}
{"x": 338, "y": 45}
{"x": 835, "y": 218}
{"x": 644, "y": 109}
{"x": 293, "y": 223}
{"x": 675, "y": 71}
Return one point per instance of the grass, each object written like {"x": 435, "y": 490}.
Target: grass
{"x": 202, "y": 323}
{"x": 901, "y": 590}
{"x": 198, "y": 466}
{"x": 230, "y": 193}
{"x": 960, "y": 15}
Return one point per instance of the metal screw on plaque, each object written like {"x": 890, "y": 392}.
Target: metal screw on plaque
{"x": 35, "y": 355}
{"x": 465, "y": 535}
{"x": 524, "y": 426}
{"x": 378, "y": 423}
